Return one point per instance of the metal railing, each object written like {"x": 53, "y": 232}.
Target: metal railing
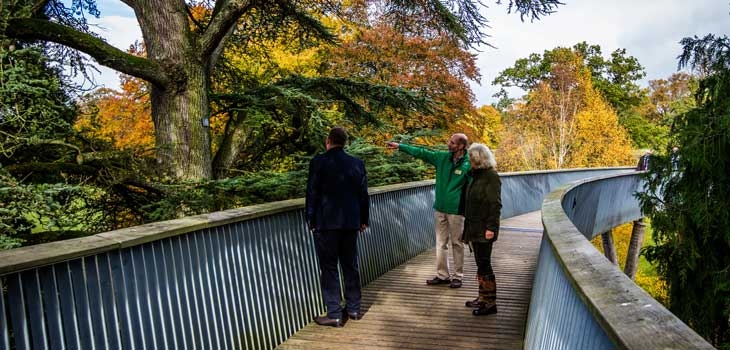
{"x": 238, "y": 279}
{"x": 579, "y": 299}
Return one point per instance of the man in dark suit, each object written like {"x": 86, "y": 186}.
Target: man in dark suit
{"x": 337, "y": 209}
{"x": 644, "y": 161}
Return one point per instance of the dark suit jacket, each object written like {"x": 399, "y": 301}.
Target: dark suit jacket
{"x": 643, "y": 162}
{"x": 337, "y": 192}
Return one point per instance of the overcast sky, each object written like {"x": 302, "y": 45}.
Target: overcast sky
{"x": 650, "y": 30}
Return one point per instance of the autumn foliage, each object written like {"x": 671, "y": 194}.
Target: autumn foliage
{"x": 123, "y": 118}
{"x": 435, "y": 67}
{"x": 564, "y": 122}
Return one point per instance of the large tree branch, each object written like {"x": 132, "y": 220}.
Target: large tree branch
{"x": 38, "y": 7}
{"x": 105, "y": 54}
{"x": 222, "y": 23}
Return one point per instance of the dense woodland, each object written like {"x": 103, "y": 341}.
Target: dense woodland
{"x": 224, "y": 102}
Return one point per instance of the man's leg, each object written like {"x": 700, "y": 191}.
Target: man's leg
{"x": 456, "y": 230}
{"x": 329, "y": 277}
{"x": 350, "y": 270}
{"x": 442, "y": 249}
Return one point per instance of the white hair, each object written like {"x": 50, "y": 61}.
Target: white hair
{"x": 481, "y": 157}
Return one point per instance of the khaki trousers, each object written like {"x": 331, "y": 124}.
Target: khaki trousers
{"x": 449, "y": 229}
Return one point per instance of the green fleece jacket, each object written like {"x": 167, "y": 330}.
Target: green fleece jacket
{"x": 450, "y": 176}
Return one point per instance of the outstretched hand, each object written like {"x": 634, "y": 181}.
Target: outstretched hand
{"x": 392, "y": 145}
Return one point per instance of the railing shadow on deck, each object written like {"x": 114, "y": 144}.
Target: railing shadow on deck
{"x": 579, "y": 299}
{"x": 245, "y": 278}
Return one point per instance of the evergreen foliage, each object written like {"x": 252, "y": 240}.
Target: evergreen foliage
{"x": 177, "y": 200}
{"x": 688, "y": 204}
{"x": 35, "y": 113}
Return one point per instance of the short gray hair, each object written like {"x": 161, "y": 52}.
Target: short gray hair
{"x": 481, "y": 157}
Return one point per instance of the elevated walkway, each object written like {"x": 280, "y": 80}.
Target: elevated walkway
{"x": 401, "y": 312}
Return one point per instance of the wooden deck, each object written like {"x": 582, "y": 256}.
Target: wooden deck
{"x": 402, "y": 312}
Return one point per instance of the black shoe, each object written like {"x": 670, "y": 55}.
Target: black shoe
{"x": 436, "y": 280}
{"x": 326, "y": 321}
{"x": 455, "y": 283}
{"x": 354, "y": 315}
{"x": 484, "y": 310}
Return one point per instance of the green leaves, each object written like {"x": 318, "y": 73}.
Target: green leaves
{"x": 615, "y": 77}
{"x": 37, "y": 213}
{"x": 688, "y": 204}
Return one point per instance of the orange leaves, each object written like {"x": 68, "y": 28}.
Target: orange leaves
{"x": 435, "y": 67}
{"x": 121, "y": 118}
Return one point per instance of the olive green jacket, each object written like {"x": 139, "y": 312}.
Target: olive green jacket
{"x": 450, "y": 176}
{"x": 482, "y": 205}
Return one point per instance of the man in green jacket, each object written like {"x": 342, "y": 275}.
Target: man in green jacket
{"x": 451, "y": 168}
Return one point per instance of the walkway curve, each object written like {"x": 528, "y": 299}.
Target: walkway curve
{"x": 401, "y": 312}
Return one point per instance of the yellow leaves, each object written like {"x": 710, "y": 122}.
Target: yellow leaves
{"x": 564, "y": 122}
{"x": 646, "y": 278}
{"x": 600, "y": 140}
{"x": 304, "y": 62}
{"x": 484, "y": 126}
{"x": 520, "y": 149}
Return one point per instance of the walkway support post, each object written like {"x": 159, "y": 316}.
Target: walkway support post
{"x": 632, "y": 255}
{"x": 609, "y": 250}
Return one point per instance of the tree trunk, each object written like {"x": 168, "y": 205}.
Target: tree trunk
{"x": 182, "y": 141}
{"x": 180, "y": 110}
{"x": 632, "y": 255}
{"x": 236, "y": 135}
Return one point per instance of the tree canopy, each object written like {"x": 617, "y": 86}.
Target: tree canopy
{"x": 184, "y": 47}
{"x": 615, "y": 77}
{"x": 563, "y": 122}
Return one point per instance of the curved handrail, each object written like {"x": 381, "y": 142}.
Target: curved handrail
{"x": 585, "y": 287}
{"x": 522, "y": 201}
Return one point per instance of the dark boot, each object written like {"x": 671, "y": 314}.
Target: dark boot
{"x": 474, "y": 303}
{"x": 486, "y": 304}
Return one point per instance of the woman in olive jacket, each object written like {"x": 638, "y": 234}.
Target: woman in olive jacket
{"x": 482, "y": 208}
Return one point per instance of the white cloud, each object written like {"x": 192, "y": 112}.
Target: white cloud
{"x": 121, "y": 32}
{"x": 118, "y": 31}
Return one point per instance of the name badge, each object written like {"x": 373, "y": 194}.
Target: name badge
{"x": 457, "y": 171}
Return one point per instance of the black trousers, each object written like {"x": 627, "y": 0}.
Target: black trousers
{"x": 483, "y": 258}
{"x": 333, "y": 247}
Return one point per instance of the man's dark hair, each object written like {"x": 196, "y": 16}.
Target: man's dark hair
{"x": 338, "y": 136}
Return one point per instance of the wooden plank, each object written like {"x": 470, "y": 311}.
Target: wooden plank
{"x": 402, "y": 312}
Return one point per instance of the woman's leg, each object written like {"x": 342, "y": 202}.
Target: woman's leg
{"x": 487, "y": 301}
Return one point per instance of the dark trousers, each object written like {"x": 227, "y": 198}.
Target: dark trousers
{"x": 483, "y": 258}
{"x": 333, "y": 247}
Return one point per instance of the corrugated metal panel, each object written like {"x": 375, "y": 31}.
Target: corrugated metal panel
{"x": 557, "y": 318}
